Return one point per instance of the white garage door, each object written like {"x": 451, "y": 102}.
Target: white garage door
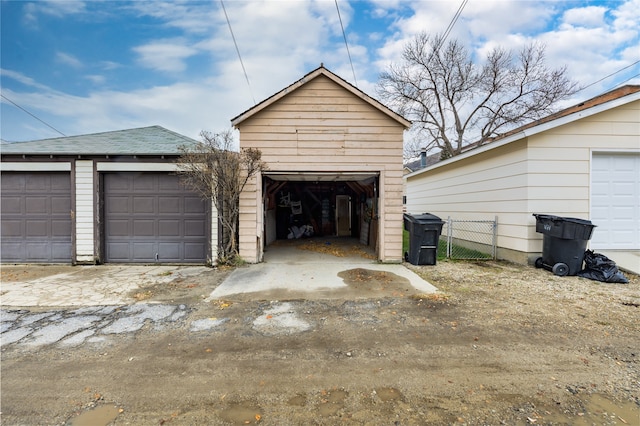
{"x": 615, "y": 201}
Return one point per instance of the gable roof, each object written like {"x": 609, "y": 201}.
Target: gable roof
{"x": 321, "y": 70}
{"x": 612, "y": 99}
{"x": 153, "y": 140}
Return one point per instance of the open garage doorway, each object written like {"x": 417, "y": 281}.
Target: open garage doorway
{"x": 301, "y": 205}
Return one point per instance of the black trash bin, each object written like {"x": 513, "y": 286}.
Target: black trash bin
{"x": 424, "y": 233}
{"x": 564, "y": 241}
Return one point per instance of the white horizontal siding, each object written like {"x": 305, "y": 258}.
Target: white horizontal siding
{"x": 8, "y": 166}
{"x": 84, "y": 211}
{"x": 547, "y": 173}
{"x": 136, "y": 167}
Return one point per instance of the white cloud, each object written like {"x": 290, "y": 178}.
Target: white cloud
{"x": 591, "y": 16}
{"x": 67, "y": 59}
{"x": 55, "y": 8}
{"x": 166, "y": 55}
{"x": 190, "y": 17}
{"x": 96, "y": 79}
{"x": 22, "y": 79}
{"x": 109, "y": 65}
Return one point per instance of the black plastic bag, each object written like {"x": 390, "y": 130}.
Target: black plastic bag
{"x": 600, "y": 268}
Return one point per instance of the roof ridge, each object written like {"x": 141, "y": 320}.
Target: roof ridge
{"x": 91, "y": 134}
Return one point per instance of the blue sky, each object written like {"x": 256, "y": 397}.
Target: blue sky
{"x": 94, "y": 66}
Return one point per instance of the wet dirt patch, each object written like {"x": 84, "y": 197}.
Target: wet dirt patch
{"x": 597, "y": 410}
{"x": 331, "y": 402}
{"x": 389, "y": 394}
{"x": 192, "y": 289}
{"x": 297, "y": 401}
{"x": 242, "y": 413}
{"x": 101, "y": 415}
{"x": 367, "y": 281}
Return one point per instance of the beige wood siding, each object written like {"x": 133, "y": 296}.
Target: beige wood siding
{"x": 322, "y": 127}
{"x": 548, "y": 172}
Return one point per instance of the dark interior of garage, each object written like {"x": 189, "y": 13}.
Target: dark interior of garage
{"x": 326, "y": 207}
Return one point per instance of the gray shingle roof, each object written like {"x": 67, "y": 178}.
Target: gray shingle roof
{"x": 153, "y": 140}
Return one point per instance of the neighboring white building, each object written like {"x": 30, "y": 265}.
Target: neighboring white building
{"x": 582, "y": 162}
{"x": 110, "y": 197}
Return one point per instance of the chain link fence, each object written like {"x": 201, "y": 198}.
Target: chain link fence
{"x": 468, "y": 239}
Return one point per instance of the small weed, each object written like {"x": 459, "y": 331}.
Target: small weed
{"x": 142, "y": 295}
{"x": 433, "y": 297}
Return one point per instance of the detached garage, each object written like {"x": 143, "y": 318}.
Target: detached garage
{"x": 334, "y": 167}
{"x": 581, "y": 162}
{"x": 110, "y": 197}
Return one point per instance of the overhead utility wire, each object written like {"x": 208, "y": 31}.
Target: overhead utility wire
{"x": 610, "y": 75}
{"x": 623, "y": 82}
{"x": 344, "y": 35}
{"x": 33, "y": 115}
{"x": 238, "y": 51}
{"x": 453, "y": 21}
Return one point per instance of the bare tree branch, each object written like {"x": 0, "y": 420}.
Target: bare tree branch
{"x": 220, "y": 174}
{"x": 455, "y": 101}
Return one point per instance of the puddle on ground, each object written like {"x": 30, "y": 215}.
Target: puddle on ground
{"x": 242, "y": 413}
{"x": 102, "y": 415}
{"x": 367, "y": 280}
{"x": 388, "y": 394}
{"x": 599, "y": 411}
{"x": 297, "y": 401}
{"x": 332, "y": 402}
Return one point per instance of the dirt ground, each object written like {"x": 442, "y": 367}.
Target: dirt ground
{"x": 500, "y": 344}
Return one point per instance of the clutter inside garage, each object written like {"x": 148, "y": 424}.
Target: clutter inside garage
{"x": 326, "y": 207}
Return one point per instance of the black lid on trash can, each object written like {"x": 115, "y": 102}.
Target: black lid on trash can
{"x": 422, "y": 218}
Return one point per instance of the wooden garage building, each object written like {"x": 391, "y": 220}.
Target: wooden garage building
{"x": 334, "y": 159}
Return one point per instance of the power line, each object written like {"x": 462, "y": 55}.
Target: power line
{"x": 33, "y": 115}
{"x": 238, "y": 51}
{"x": 344, "y": 35}
{"x": 453, "y": 21}
{"x": 621, "y": 83}
{"x": 610, "y": 75}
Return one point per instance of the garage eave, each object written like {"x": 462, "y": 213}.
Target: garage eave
{"x": 321, "y": 176}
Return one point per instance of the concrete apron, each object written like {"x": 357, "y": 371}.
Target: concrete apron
{"x": 289, "y": 272}
{"x": 88, "y": 285}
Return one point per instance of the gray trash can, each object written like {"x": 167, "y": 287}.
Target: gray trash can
{"x": 564, "y": 241}
{"x": 424, "y": 234}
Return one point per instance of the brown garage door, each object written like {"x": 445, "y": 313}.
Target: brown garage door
{"x": 151, "y": 217}
{"x": 36, "y": 217}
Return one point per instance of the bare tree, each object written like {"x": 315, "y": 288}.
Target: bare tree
{"x": 454, "y": 101}
{"x": 220, "y": 174}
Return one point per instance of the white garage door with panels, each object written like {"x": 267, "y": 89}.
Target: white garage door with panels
{"x": 615, "y": 201}
{"x": 150, "y": 217}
